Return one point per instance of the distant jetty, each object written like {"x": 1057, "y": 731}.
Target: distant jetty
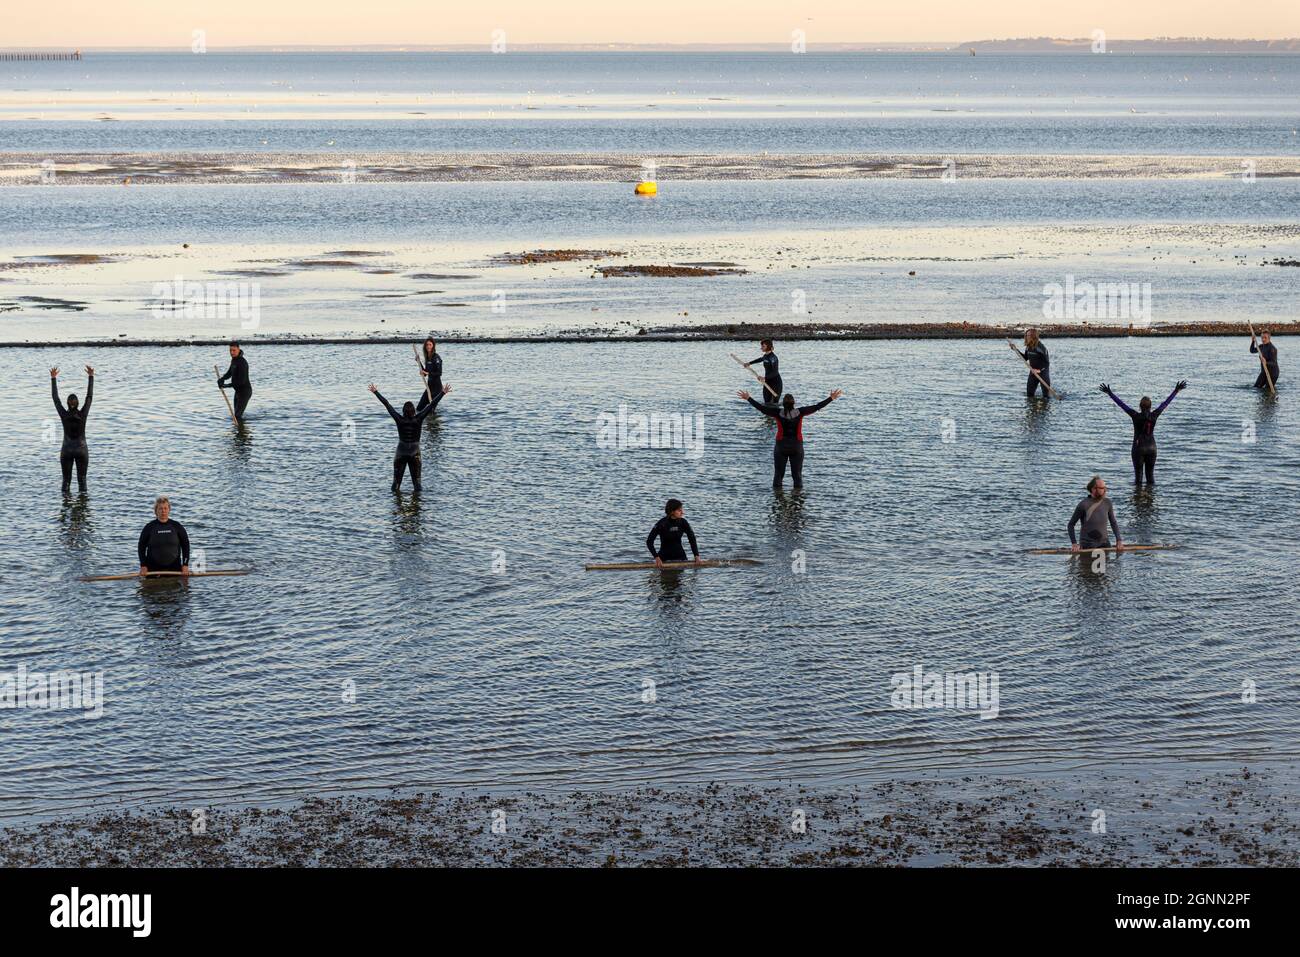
{"x": 74, "y": 55}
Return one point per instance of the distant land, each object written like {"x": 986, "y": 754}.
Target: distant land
{"x": 1018, "y": 45}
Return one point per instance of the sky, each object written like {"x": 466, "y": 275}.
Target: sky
{"x": 171, "y": 23}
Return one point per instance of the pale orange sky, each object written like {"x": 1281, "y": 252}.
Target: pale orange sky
{"x": 84, "y": 23}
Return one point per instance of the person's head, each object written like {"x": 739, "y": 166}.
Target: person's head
{"x": 234, "y": 349}
{"x": 1097, "y": 487}
{"x": 1266, "y": 336}
{"x": 673, "y": 508}
{"x": 162, "y": 507}
{"x": 1145, "y": 404}
{"x": 430, "y": 347}
{"x": 765, "y": 345}
{"x": 787, "y": 402}
{"x": 73, "y": 403}
{"x": 408, "y": 409}
{"x": 1031, "y": 336}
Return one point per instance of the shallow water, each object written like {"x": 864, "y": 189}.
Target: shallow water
{"x": 533, "y": 674}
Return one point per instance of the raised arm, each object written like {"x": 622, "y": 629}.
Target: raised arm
{"x": 1117, "y": 400}
{"x": 1179, "y": 387}
{"x": 766, "y": 410}
{"x": 54, "y": 391}
{"x": 437, "y": 397}
{"x": 391, "y": 410}
{"x": 810, "y": 409}
{"x": 90, "y": 391}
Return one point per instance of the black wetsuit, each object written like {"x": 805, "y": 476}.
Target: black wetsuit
{"x": 1094, "y": 513}
{"x": 164, "y": 546}
{"x": 74, "y": 451}
{"x": 1144, "y": 437}
{"x": 1269, "y": 352}
{"x": 771, "y": 377}
{"x": 789, "y": 439}
{"x": 669, "y": 531}
{"x": 237, "y": 376}
{"x": 408, "y": 441}
{"x": 433, "y": 384}
{"x": 1038, "y": 361}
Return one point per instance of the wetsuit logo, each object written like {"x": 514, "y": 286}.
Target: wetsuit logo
{"x": 954, "y": 690}
{"x": 636, "y": 430}
{"x": 209, "y": 300}
{"x": 1102, "y": 300}
{"x": 57, "y": 690}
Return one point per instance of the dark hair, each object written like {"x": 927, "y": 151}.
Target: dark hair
{"x": 1145, "y": 404}
{"x": 408, "y": 409}
{"x": 1092, "y": 482}
{"x": 765, "y": 342}
{"x": 234, "y": 345}
{"x": 672, "y": 505}
{"x": 429, "y": 341}
{"x": 73, "y": 401}
{"x": 788, "y": 401}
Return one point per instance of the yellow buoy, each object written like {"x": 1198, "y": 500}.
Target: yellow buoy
{"x": 648, "y": 188}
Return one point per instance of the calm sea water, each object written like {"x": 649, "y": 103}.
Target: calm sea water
{"x": 657, "y": 102}
{"x": 532, "y": 672}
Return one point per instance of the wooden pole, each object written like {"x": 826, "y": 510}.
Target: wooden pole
{"x": 1088, "y": 550}
{"x": 1032, "y": 369}
{"x": 741, "y": 363}
{"x": 648, "y": 566}
{"x": 1268, "y": 376}
{"x": 122, "y": 578}
{"x": 230, "y": 408}
{"x": 420, "y": 362}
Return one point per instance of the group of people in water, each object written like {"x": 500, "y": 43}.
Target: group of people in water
{"x": 164, "y": 545}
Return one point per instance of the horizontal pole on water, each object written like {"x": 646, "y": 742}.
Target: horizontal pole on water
{"x": 122, "y": 578}
{"x": 1088, "y": 550}
{"x": 650, "y": 566}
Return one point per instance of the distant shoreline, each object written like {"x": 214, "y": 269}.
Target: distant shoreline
{"x": 728, "y": 332}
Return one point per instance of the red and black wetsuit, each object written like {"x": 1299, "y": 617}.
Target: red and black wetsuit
{"x": 789, "y": 439}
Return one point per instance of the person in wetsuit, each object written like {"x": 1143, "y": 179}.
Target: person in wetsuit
{"x": 408, "y": 436}
{"x": 164, "y": 546}
{"x": 1094, "y": 512}
{"x": 789, "y": 434}
{"x": 237, "y": 377}
{"x": 1144, "y": 430}
{"x": 1036, "y": 355}
{"x": 771, "y": 372}
{"x": 74, "y": 450}
{"x": 1268, "y": 356}
{"x": 669, "y": 530}
{"x": 431, "y": 369}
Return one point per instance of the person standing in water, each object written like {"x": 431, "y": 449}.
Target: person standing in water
{"x": 1267, "y": 353}
{"x": 1144, "y": 430}
{"x": 1095, "y": 511}
{"x": 669, "y": 530}
{"x": 164, "y": 545}
{"x": 1036, "y": 355}
{"x": 789, "y": 434}
{"x": 74, "y": 450}
{"x": 431, "y": 369}
{"x": 408, "y": 436}
{"x": 771, "y": 372}
{"x": 237, "y": 377}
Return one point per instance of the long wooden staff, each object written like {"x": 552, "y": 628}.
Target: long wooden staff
{"x": 1268, "y": 376}
{"x": 419, "y": 362}
{"x": 230, "y": 408}
{"x": 1032, "y": 369}
{"x": 740, "y": 362}
{"x": 122, "y": 578}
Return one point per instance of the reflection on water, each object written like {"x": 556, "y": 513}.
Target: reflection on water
{"x": 75, "y": 521}
{"x": 165, "y": 607}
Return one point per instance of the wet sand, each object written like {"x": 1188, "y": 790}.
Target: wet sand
{"x": 17, "y": 168}
{"x": 1223, "y": 818}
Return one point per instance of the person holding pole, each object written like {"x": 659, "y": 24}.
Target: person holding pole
{"x": 164, "y": 545}
{"x": 1094, "y": 512}
{"x": 431, "y": 370}
{"x": 772, "y": 384}
{"x": 1035, "y": 356}
{"x": 1267, "y": 353}
{"x": 74, "y": 450}
{"x": 237, "y": 377}
{"x": 669, "y": 530}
